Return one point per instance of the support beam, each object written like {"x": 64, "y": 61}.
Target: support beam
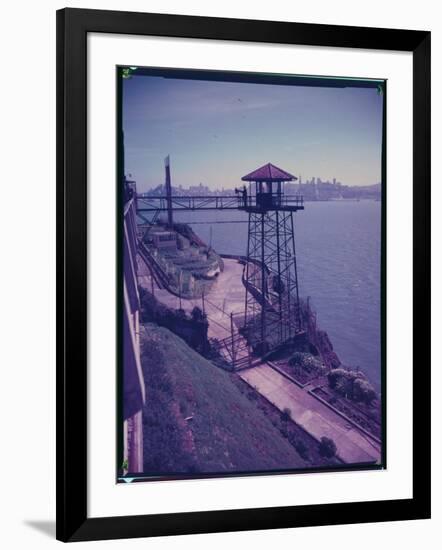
{"x": 272, "y": 314}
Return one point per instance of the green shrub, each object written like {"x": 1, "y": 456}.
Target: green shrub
{"x": 286, "y": 415}
{"x": 300, "y": 446}
{"x": 352, "y": 384}
{"x": 307, "y": 362}
{"x": 181, "y": 314}
{"x": 284, "y": 431}
{"x": 327, "y": 447}
{"x": 252, "y": 396}
{"x": 192, "y": 329}
{"x": 197, "y": 315}
{"x": 335, "y": 376}
{"x": 363, "y": 391}
{"x": 297, "y": 358}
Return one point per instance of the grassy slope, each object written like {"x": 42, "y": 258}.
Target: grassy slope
{"x": 227, "y": 432}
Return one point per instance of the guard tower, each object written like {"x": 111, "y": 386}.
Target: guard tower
{"x": 272, "y": 314}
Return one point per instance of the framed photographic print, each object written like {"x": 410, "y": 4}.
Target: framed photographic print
{"x": 243, "y": 274}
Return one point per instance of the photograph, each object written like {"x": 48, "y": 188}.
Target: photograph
{"x": 221, "y": 230}
{"x": 250, "y": 273}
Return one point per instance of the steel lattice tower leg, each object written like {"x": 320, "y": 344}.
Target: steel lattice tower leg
{"x": 272, "y": 313}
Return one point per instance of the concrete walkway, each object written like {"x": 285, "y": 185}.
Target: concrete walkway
{"x": 226, "y": 296}
{"x": 315, "y": 417}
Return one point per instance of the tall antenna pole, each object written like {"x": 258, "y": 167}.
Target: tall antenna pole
{"x": 168, "y": 192}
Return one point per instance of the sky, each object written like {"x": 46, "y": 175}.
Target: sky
{"x": 216, "y": 132}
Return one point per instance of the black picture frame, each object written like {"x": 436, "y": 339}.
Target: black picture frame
{"x": 73, "y": 25}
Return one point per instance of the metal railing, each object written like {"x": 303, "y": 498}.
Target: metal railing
{"x": 214, "y": 202}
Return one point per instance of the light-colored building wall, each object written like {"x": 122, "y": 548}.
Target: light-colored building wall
{"x": 133, "y": 381}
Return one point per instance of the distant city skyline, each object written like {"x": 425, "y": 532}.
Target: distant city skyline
{"x": 215, "y": 132}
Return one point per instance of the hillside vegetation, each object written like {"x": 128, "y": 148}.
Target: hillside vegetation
{"x": 197, "y": 420}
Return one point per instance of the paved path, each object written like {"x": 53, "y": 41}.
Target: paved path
{"x": 226, "y": 296}
{"x": 315, "y": 417}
